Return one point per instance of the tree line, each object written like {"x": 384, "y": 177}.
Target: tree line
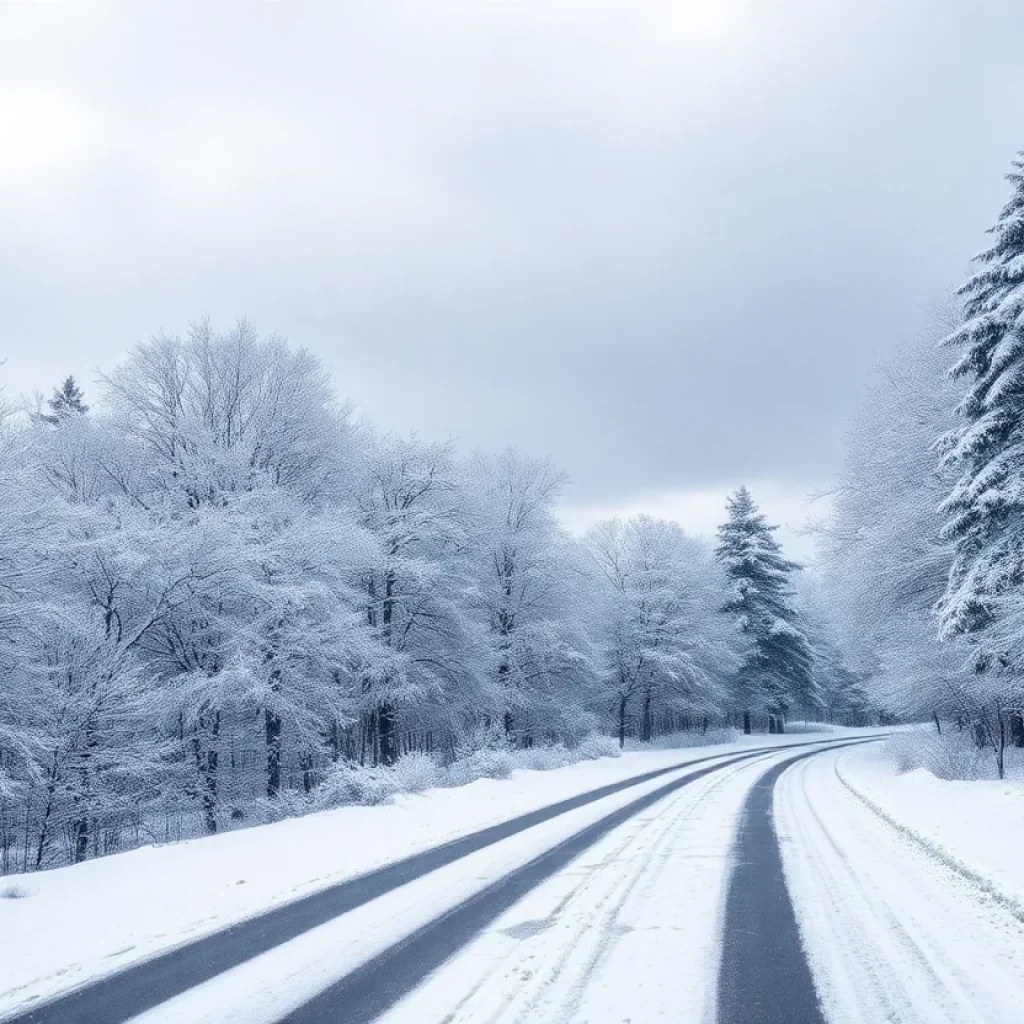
{"x": 218, "y": 584}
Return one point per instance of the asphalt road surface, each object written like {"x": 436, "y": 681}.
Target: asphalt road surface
{"x": 764, "y": 976}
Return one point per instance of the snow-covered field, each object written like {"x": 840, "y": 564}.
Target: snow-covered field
{"x": 80, "y": 922}
{"x": 907, "y": 889}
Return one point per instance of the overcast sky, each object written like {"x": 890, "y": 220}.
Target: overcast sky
{"x": 663, "y": 241}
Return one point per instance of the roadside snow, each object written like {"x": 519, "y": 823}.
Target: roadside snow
{"x": 90, "y": 919}
{"x": 977, "y": 826}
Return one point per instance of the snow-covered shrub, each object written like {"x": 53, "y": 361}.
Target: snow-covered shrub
{"x": 543, "y": 759}
{"x": 679, "y": 740}
{"x": 799, "y": 728}
{"x": 14, "y": 892}
{"x": 482, "y": 764}
{"x": 264, "y": 811}
{"x": 952, "y": 756}
{"x": 415, "y": 772}
{"x": 956, "y": 757}
{"x": 594, "y": 746}
{"x": 349, "y": 783}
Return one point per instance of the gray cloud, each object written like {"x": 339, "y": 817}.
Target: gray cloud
{"x": 662, "y": 241}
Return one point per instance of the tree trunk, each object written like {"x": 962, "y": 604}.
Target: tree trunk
{"x": 1017, "y": 729}
{"x": 273, "y": 729}
{"x": 306, "y": 761}
{"x": 622, "y": 722}
{"x": 508, "y": 719}
{"x": 1001, "y": 753}
{"x": 272, "y": 723}
{"x": 209, "y": 774}
{"x": 386, "y": 734}
{"x": 80, "y": 829}
{"x": 44, "y": 826}
{"x": 645, "y": 719}
{"x": 938, "y": 724}
{"x": 771, "y": 723}
{"x": 980, "y": 735}
{"x": 746, "y": 723}
{"x": 81, "y": 834}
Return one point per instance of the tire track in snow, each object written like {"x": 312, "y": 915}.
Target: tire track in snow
{"x": 600, "y": 924}
{"x": 942, "y": 975}
{"x": 764, "y": 977}
{"x": 873, "y": 985}
{"x": 373, "y": 988}
{"x": 891, "y": 934}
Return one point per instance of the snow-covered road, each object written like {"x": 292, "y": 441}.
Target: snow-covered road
{"x": 629, "y": 930}
{"x": 893, "y": 933}
{"x": 347, "y": 969}
{"x": 614, "y": 912}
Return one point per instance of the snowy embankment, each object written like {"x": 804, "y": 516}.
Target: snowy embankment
{"x": 90, "y": 919}
{"x": 975, "y": 826}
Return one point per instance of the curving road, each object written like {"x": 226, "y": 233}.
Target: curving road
{"x": 755, "y": 888}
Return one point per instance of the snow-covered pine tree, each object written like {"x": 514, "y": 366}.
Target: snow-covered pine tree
{"x": 986, "y": 505}
{"x": 776, "y": 675}
{"x": 68, "y": 400}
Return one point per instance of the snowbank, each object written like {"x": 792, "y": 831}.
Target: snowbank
{"x": 975, "y": 826}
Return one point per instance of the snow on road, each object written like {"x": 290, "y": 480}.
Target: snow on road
{"x": 91, "y": 919}
{"x": 892, "y": 932}
{"x": 269, "y": 986}
{"x": 630, "y": 931}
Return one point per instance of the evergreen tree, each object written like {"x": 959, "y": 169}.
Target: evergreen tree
{"x": 982, "y": 600}
{"x": 776, "y": 673}
{"x": 986, "y": 505}
{"x": 67, "y": 400}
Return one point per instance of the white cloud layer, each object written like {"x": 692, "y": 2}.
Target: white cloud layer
{"x": 661, "y": 241}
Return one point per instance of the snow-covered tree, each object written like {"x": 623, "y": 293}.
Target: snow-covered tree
{"x": 527, "y": 585}
{"x": 416, "y": 594}
{"x": 66, "y": 402}
{"x": 216, "y": 414}
{"x": 985, "y": 507}
{"x": 777, "y": 673}
{"x": 841, "y": 685}
{"x": 661, "y": 647}
{"x": 885, "y": 561}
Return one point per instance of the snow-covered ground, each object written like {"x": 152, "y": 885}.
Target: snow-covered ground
{"x": 80, "y": 922}
{"x": 906, "y": 889}
{"x": 977, "y": 826}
